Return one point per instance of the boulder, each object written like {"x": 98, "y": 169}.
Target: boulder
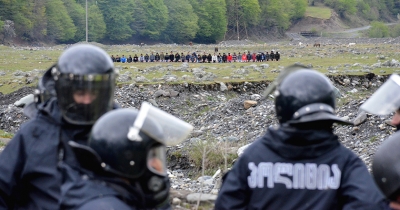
{"x": 249, "y": 103}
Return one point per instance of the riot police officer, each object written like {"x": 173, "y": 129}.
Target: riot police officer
{"x": 300, "y": 164}
{"x": 386, "y": 169}
{"x": 33, "y": 163}
{"x": 126, "y": 151}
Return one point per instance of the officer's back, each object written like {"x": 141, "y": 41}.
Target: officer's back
{"x": 300, "y": 164}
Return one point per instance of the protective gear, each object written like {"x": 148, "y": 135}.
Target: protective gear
{"x": 131, "y": 144}
{"x": 309, "y": 167}
{"x": 386, "y": 166}
{"x": 305, "y": 96}
{"x": 84, "y": 82}
{"x": 117, "y": 153}
{"x": 43, "y": 92}
{"x": 30, "y": 165}
{"x": 174, "y": 130}
{"x": 45, "y": 89}
{"x": 386, "y": 99}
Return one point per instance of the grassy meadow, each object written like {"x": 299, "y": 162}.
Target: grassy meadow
{"x": 318, "y": 12}
{"x": 330, "y": 55}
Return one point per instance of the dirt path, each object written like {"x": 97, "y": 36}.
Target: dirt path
{"x": 363, "y": 28}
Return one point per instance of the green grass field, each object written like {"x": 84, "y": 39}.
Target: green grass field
{"x": 318, "y": 12}
{"x": 26, "y": 60}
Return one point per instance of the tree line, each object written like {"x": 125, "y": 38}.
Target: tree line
{"x": 180, "y": 21}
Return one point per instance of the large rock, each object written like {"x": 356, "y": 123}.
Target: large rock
{"x": 173, "y": 93}
{"x": 249, "y": 103}
{"x": 159, "y": 93}
{"x": 361, "y": 118}
{"x": 255, "y": 97}
{"x": 194, "y": 197}
{"x": 222, "y": 87}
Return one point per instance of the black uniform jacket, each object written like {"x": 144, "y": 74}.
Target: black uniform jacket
{"x": 37, "y": 170}
{"x": 289, "y": 168}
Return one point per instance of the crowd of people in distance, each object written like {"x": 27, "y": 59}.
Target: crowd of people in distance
{"x": 198, "y": 58}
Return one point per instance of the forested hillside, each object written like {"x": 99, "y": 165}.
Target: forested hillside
{"x": 180, "y": 21}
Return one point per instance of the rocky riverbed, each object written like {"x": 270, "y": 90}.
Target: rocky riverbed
{"x": 234, "y": 113}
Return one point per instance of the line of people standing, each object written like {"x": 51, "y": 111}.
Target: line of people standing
{"x": 198, "y": 58}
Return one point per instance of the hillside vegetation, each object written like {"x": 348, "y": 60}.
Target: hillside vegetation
{"x": 179, "y": 21}
{"x": 318, "y": 12}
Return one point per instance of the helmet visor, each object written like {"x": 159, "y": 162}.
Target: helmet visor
{"x": 386, "y": 99}
{"x": 156, "y": 160}
{"x": 84, "y": 98}
{"x": 173, "y": 130}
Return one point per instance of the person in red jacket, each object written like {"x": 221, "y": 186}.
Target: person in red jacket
{"x": 229, "y": 58}
{"x": 244, "y": 57}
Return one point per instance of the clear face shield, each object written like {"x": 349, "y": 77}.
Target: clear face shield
{"x": 84, "y": 98}
{"x": 386, "y": 99}
{"x": 156, "y": 160}
{"x": 171, "y": 131}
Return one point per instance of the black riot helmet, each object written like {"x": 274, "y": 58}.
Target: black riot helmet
{"x": 386, "y": 167}
{"x": 305, "y": 96}
{"x": 84, "y": 82}
{"x": 119, "y": 154}
{"x": 131, "y": 144}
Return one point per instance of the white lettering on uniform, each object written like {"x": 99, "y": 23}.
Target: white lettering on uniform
{"x": 294, "y": 176}
{"x": 283, "y": 169}
{"x": 252, "y": 179}
{"x": 298, "y": 176}
{"x": 265, "y": 170}
{"x": 311, "y": 176}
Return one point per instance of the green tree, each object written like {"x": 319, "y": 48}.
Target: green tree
{"x": 205, "y": 28}
{"x": 39, "y": 30}
{"x": 250, "y": 10}
{"x": 299, "y": 9}
{"x": 276, "y": 14}
{"x": 216, "y": 10}
{"x": 21, "y": 16}
{"x": 1, "y": 25}
{"x": 182, "y": 26}
{"x": 378, "y": 30}
{"x": 393, "y": 6}
{"x": 5, "y": 9}
{"x": 96, "y": 25}
{"x": 395, "y": 30}
{"x": 77, "y": 14}
{"x": 60, "y": 26}
{"x": 212, "y": 20}
{"x": 151, "y": 17}
{"x": 28, "y": 15}
{"x": 365, "y": 10}
{"x": 118, "y": 18}
{"x": 343, "y": 6}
